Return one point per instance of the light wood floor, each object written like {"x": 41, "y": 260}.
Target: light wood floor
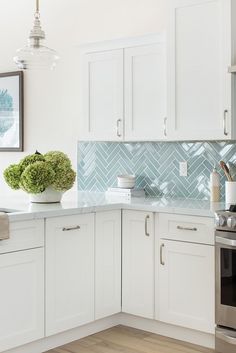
{"x": 121, "y": 339}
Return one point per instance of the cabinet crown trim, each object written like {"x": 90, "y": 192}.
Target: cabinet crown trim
{"x": 123, "y": 43}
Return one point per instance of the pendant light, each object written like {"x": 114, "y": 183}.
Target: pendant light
{"x": 34, "y": 55}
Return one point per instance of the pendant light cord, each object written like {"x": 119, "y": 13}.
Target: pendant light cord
{"x": 37, "y": 5}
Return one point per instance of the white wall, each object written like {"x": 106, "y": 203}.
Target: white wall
{"x": 51, "y": 98}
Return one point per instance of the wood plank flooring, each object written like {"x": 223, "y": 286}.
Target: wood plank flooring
{"x": 121, "y": 339}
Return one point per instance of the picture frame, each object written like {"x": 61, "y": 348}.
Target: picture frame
{"x": 11, "y": 111}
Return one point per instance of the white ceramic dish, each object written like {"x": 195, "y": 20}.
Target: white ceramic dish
{"x": 126, "y": 181}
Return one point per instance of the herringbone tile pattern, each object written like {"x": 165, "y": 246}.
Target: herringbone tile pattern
{"x": 156, "y": 166}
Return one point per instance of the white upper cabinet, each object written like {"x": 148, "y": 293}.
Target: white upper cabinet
{"x": 124, "y": 90}
{"x": 133, "y": 91}
{"x": 200, "y": 90}
{"x": 145, "y": 92}
{"x": 102, "y": 96}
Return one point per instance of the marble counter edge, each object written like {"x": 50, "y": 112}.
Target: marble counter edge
{"x": 24, "y": 215}
{"x": 171, "y": 209}
{"x": 30, "y": 215}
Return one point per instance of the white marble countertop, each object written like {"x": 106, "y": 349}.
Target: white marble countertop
{"x": 85, "y": 202}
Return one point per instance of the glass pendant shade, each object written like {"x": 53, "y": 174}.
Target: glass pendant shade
{"x": 35, "y": 55}
{"x": 30, "y": 58}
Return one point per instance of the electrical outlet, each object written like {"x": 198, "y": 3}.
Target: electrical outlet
{"x": 183, "y": 168}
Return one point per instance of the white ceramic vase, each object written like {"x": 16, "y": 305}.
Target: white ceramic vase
{"x": 49, "y": 195}
{"x": 230, "y": 192}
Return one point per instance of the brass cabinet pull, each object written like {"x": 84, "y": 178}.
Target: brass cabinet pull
{"x": 118, "y": 124}
{"x": 161, "y": 254}
{"x": 71, "y": 228}
{"x": 146, "y": 226}
{"x": 187, "y": 228}
{"x": 224, "y": 122}
{"x": 165, "y": 130}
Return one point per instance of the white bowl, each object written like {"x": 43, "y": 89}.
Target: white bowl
{"x": 49, "y": 195}
{"x": 126, "y": 181}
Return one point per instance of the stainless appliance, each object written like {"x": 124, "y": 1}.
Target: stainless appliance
{"x": 226, "y": 280}
{"x": 232, "y": 69}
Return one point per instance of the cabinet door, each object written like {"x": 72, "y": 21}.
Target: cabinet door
{"x": 186, "y": 285}
{"x": 107, "y": 263}
{"x": 145, "y": 92}
{"x": 102, "y": 96}
{"x": 69, "y": 272}
{"x": 138, "y": 264}
{"x": 199, "y": 102}
{"x": 21, "y": 298}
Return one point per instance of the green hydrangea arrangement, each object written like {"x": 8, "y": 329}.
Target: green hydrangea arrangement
{"x": 36, "y": 172}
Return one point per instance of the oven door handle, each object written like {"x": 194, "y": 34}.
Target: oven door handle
{"x": 226, "y": 338}
{"x": 226, "y": 241}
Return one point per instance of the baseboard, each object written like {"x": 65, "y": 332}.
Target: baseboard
{"x": 62, "y": 338}
{"x": 176, "y": 332}
{"x": 171, "y": 331}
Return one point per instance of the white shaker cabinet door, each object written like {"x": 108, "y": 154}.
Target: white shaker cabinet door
{"x": 199, "y": 85}
{"x": 102, "y": 96}
{"x": 138, "y": 263}
{"x": 69, "y": 272}
{"x": 21, "y": 298}
{"x": 186, "y": 285}
{"x": 107, "y": 263}
{"x": 145, "y": 92}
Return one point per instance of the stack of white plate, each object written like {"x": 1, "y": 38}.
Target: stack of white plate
{"x": 126, "y": 181}
{"x": 125, "y": 189}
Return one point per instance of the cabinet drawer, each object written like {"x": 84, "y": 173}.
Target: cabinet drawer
{"x": 24, "y": 235}
{"x": 191, "y": 229}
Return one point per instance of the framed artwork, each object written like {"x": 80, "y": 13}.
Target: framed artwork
{"x": 11, "y": 111}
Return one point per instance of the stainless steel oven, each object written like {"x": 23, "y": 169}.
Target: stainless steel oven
{"x": 226, "y": 279}
{"x": 225, "y": 251}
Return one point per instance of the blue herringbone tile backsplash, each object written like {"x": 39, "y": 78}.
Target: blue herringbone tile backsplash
{"x": 156, "y": 166}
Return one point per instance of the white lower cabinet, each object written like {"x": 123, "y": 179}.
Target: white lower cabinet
{"x": 93, "y": 263}
{"x": 107, "y": 263}
{"x": 69, "y": 272}
{"x": 138, "y": 263}
{"x": 21, "y": 297}
{"x": 186, "y": 285}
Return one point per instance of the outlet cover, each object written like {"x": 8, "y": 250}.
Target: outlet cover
{"x": 183, "y": 168}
